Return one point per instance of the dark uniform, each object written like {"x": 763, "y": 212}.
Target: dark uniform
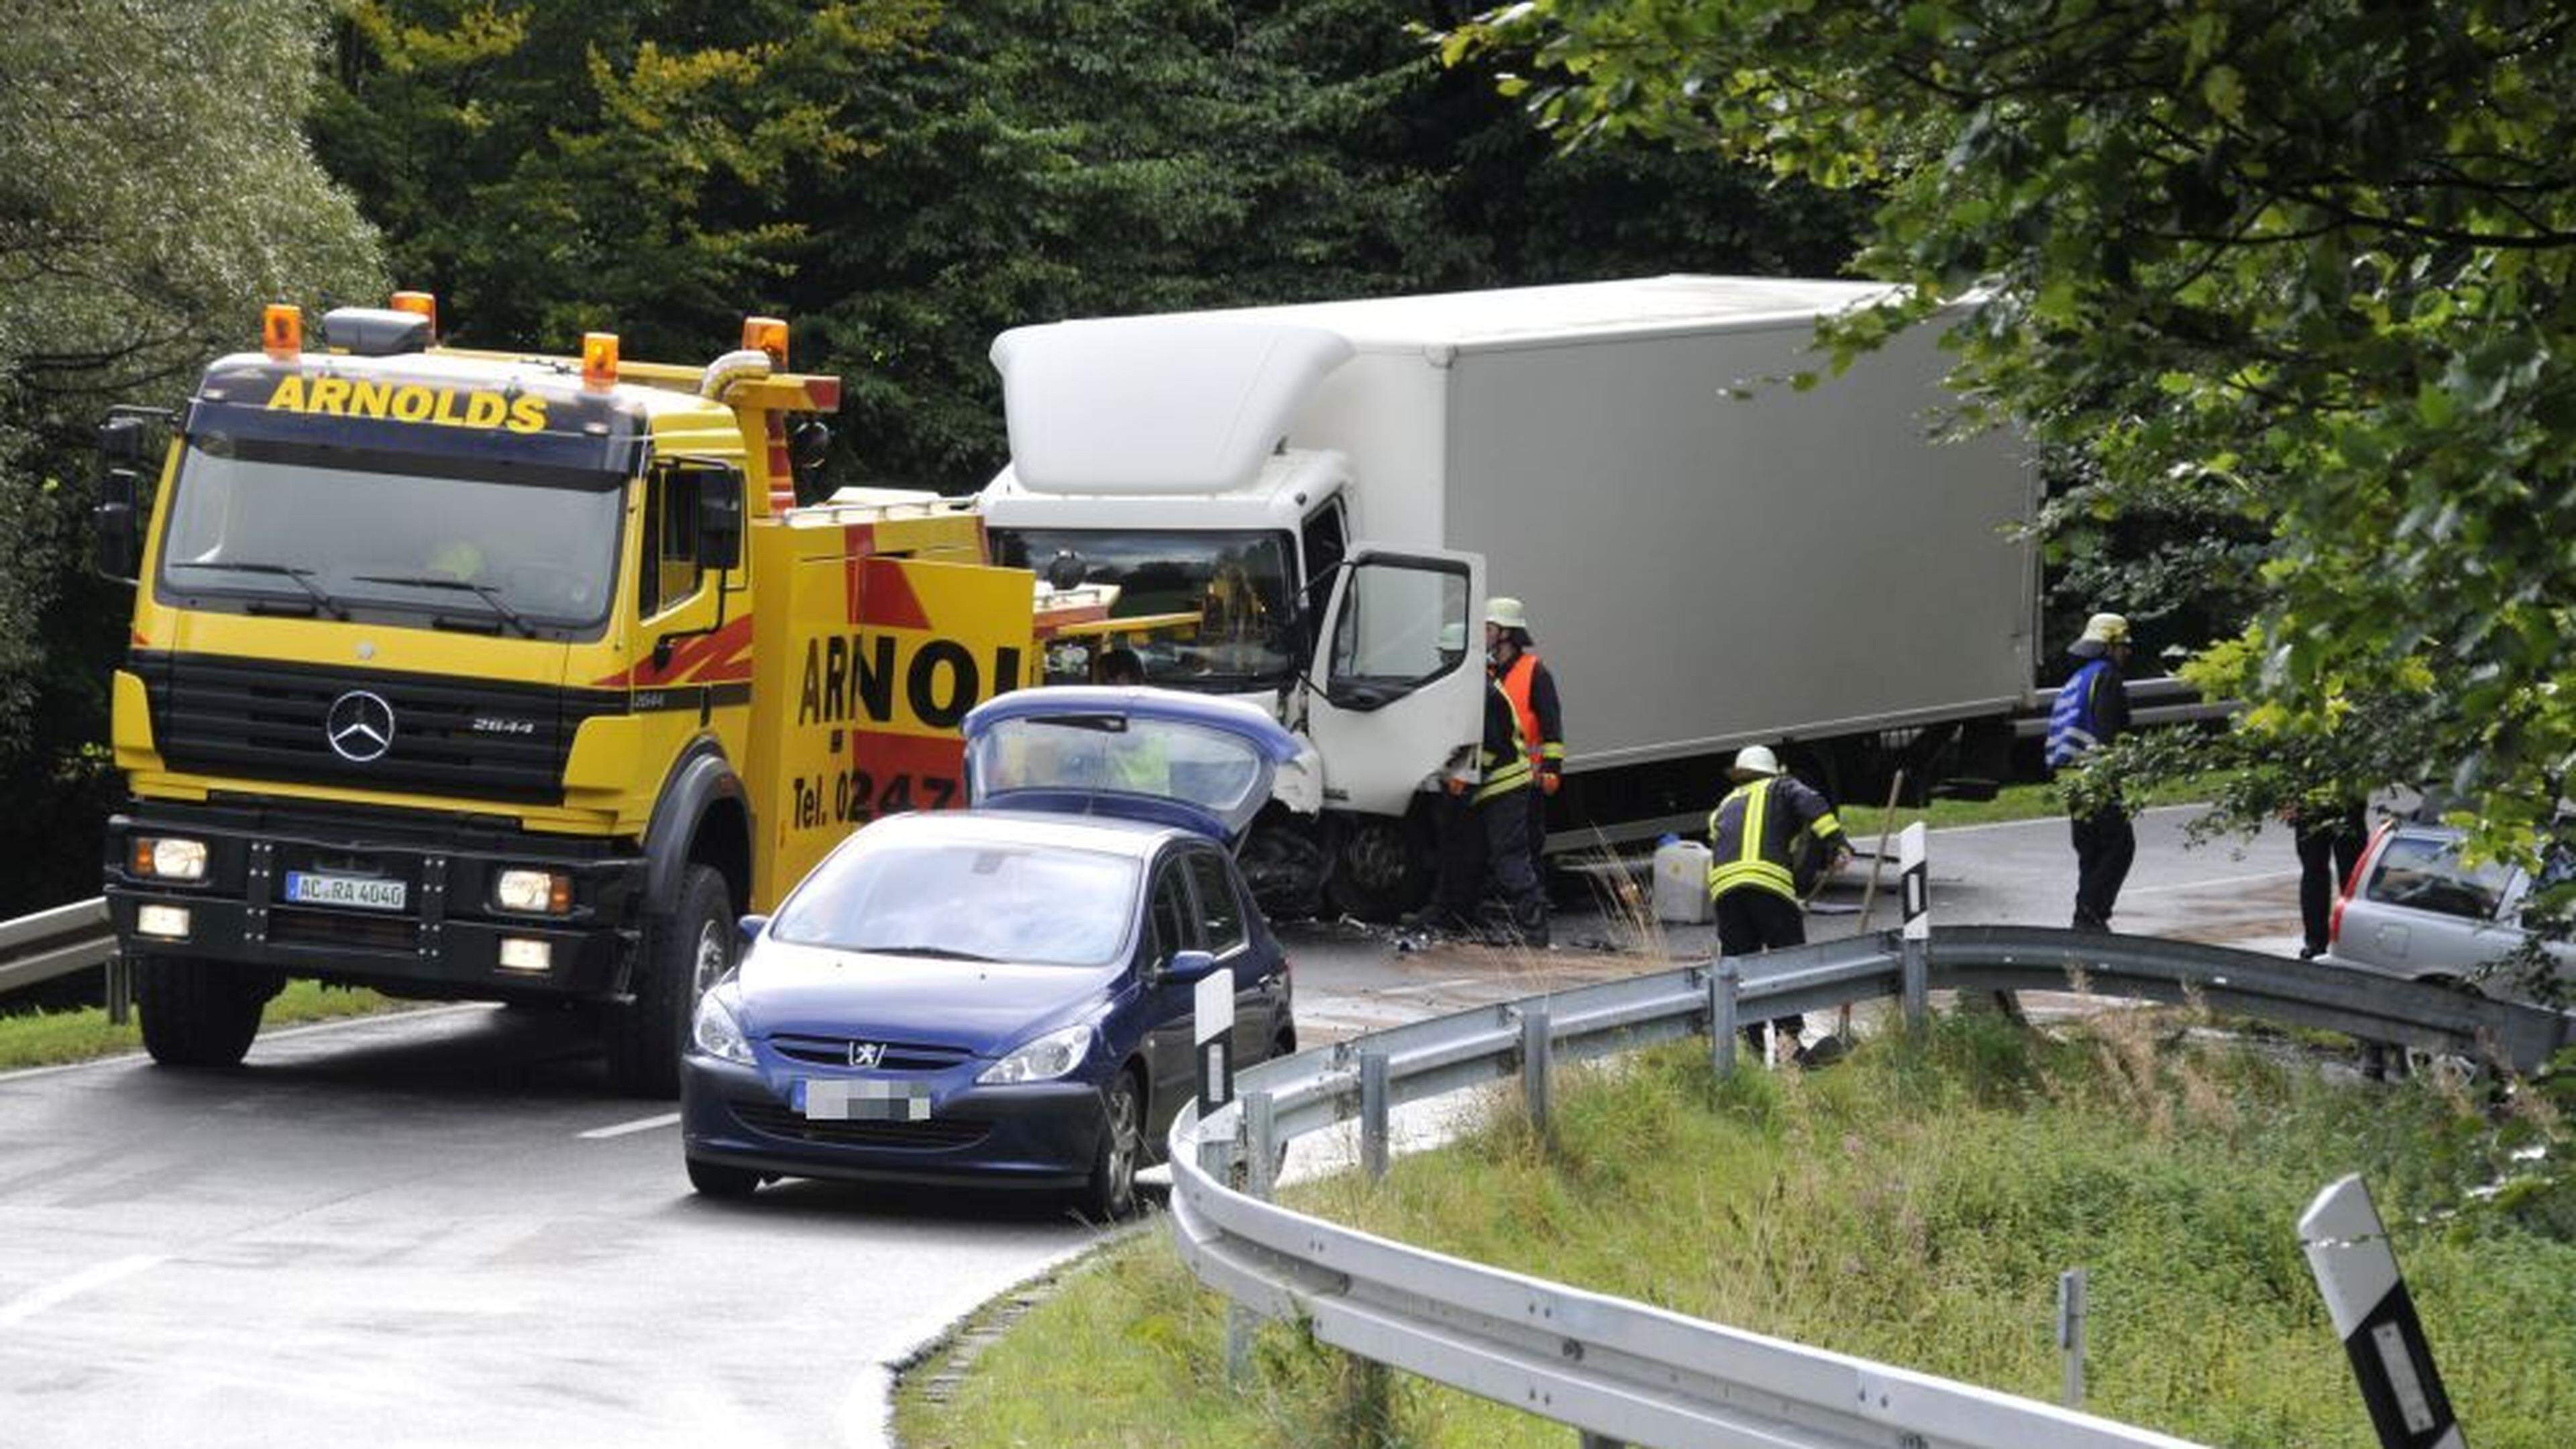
{"x": 1754, "y": 839}
{"x": 1486, "y": 832}
{"x": 2092, "y": 709}
{"x": 1532, "y": 691}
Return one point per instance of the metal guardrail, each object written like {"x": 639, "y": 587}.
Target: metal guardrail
{"x": 53, "y": 943}
{"x": 1623, "y": 1372}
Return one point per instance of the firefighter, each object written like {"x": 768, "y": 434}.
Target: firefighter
{"x": 1532, "y": 691}
{"x": 1484, "y": 833}
{"x": 2092, "y": 710}
{"x": 1754, "y": 838}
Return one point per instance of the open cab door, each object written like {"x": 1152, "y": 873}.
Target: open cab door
{"x": 1399, "y": 675}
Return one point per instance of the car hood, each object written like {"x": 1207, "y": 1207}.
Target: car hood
{"x": 985, "y": 1008}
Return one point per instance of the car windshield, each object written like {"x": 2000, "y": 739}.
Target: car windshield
{"x": 449, "y": 539}
{"x": 1235, "y": 581}
{"x": 972, "y": 901}
{"x": 2426, "y": 873}
{"x": 1167, "y": 759}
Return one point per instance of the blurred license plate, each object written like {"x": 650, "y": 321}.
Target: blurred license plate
{"x": 347, "y": 890}
{"x": 836, "y": 1099}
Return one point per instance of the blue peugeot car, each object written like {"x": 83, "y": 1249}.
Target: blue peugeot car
{"x": 1002, "y": 996}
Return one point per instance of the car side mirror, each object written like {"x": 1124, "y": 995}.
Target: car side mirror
{"x": 752, "y": 926}
{"x": 720, "y": 520}
{"x": 1186, "y": 967}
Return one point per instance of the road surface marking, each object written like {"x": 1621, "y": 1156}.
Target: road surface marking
{"x": 27, "y": 1305}
{"x": 640, "y": 1124}
{"x": 2215, "y": 881}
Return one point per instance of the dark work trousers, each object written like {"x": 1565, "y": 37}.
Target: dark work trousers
{"x": 1751, "y": 920}
{"x": 1538, "y": 836}
{"x": 2105, "y": 844}
{"x": 2330, "y": 844}
{"x": 1487, "y": 847}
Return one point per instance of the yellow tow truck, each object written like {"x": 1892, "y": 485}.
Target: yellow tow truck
{"x": 476, "y": 676}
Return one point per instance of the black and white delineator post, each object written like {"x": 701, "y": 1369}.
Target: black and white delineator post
{"x": 1212, "y": 1016}
{"x": 2356, "y": 1270}
{"x": 1914, "y": 893}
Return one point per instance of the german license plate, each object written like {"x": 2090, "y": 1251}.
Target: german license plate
{"x": 305, "y": 888}
{"x": 836, "y": 1099}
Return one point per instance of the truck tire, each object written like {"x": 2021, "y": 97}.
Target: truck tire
{"x": 1382, "y": 868}
{"x": 200, "y": 1013}
{"x": 684, "y": 953}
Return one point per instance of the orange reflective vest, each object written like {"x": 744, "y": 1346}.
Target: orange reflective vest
{"x": 1543, "y": 736}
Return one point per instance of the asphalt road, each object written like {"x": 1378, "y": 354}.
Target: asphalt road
{"x": 441, "y": 1228}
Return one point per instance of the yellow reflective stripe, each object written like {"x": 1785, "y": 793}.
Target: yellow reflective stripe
{"x": 1504, "y": 782}
{"x": 1551, "y": 751}
{"x": 1826, "y": 824}
{"x": 1762, "y": 873}
{"x": 1756, "y": 805}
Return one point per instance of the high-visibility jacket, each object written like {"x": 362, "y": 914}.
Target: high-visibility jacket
{"x": 2092, "y": 708}
{"x": 1502, "y": 759}
{"x": 1753, "y": 835}
{"x": 1532, "y": 691}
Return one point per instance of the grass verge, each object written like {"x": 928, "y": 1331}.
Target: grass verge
{"x": 51, "y": 1038}
{"x": 2012, "y": 802}
{"x": 1913, "y": 1207}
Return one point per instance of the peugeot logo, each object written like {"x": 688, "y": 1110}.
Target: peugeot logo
{"x": 360, "y": 727}
{"x": 866, "y": 1053}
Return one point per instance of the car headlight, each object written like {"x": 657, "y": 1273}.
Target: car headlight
{"x": 1042, "y": 1059}
{"x": 169, "y": 858}
{"x": 535, "y": 891}
{"x": 716, "y": 1031}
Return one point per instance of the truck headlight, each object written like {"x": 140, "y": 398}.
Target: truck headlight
{"x": 717, "y": 1032}
{"x": 539, "y": 892}
{"x": 169, "y": 857}
{"x": 1043, "y": 1059}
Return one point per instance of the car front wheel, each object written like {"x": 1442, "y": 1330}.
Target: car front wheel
{"x": 1111, "y": 1194}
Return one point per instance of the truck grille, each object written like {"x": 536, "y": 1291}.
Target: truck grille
{"x": 270, "y": 721}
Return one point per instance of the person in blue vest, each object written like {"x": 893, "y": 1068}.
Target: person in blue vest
{"x": 1755, "y": 836}
{"x": 2092, "y": 710}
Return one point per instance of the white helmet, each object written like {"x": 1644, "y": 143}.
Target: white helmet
{"x": 1505, "y": 612}
{"x": 1754, "y": 762}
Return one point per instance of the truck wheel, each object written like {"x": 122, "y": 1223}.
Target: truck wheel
{"x": 1381, "y": 869}
{"x": 683, "y": 955}
{"x": 200, "y": 1013}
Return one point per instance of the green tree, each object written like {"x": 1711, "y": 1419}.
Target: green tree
{"x": 154, "y": 193}
{"x": 2299, "y": 266}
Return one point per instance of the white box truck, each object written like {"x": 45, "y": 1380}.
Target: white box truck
{"x": 1334, "y": 487}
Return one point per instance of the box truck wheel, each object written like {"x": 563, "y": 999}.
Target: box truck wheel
{"x": 684, "y": 953}
{"x": 200, "y": 1013}
{"x": 1382, "y": 867}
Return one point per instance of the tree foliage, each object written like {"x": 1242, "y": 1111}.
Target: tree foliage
{"x": 2299, "y": 265}
{"x": 154, "y": 193}
{"x": 904, "y": 181}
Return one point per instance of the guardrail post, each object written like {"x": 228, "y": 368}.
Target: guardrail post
{"x": 2071, "y": 1313}
{"x": 1723, "y": 984}
{"x": 120, "y": 989}
{"x": 1914, "y": 880}
{"x": 1260, "y": 1173}
{"x": 1373, "y": 1115}
{"x": 2356, "y": 1270}
{"x": 1602, "y": 1441}
{"x": 1537, "y": 1047}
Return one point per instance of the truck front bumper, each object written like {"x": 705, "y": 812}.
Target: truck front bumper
{"x": 432, "y": 928}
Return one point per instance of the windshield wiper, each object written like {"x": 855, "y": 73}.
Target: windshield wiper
{"x": 485, "y": 592}
{"x": 303, "y": 577}
{"x": 943, "y": 952}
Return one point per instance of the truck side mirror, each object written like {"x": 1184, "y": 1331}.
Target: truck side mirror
{"x": 720, "y": 520}
{"x": 118, "y": 550}
{"x": 1067, "y": 569}
{"x": 121, "y": 442}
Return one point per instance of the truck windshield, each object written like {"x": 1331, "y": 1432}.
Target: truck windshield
{"x": 459, "y": 542}
{"x": 1237, "y": 582}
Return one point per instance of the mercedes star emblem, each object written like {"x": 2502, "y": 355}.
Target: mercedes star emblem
{"x": 865, "y": 1054}
{"x": 360, "y": 727}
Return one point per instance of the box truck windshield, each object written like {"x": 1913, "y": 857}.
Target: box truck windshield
{"x": 440, "y": 539}
{"x": 1236, "y": 581}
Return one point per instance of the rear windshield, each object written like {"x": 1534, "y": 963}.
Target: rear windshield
{"x": 1214, "y": 769}
{"x": 2425, "y": 873}
{"x": 968, "y": 902}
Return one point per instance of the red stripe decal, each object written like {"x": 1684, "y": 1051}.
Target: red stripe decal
{"x": 886, "y": 598}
